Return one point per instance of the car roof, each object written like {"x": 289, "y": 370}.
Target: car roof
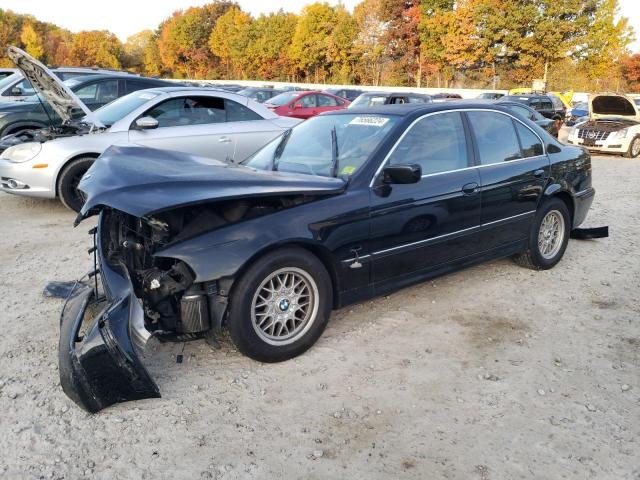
{"x": 418, "y": 109}
{"x": 117, "y": 76}
{"x": 527, "y": 95}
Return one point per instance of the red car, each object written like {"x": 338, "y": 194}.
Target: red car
{"x": 305, "y": 104}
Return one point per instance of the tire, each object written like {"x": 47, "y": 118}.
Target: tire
{"x": 68, "y": 181}
{"x": 257, "y": 318}
{"x": 634, "y": 145}
{"x": 543, "y": 256}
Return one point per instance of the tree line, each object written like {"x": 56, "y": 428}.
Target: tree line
{"x": 573, "y": 44}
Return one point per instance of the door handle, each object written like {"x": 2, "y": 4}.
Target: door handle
{"x": 224, "y": 140}
{"x": 470, "y": 188}
{"x": 539, "y": 173}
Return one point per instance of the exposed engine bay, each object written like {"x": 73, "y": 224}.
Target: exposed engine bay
{"x": 42, "y": 135}
{"x": 608, "y": 125}
{"x": 175, "y": 307}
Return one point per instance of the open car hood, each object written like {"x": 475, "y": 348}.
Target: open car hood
{"x": 612, "y": 106}
{"x": 63, "y": 101}
{"x": 140, "y": 181}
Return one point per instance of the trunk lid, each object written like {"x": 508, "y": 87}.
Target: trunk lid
{"x": 63, "y": 101}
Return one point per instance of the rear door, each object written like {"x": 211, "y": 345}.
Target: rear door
{"x": 248, "y": 130}
{"x": 191, "y": 124}
{"x": 418, "y": 227}
{"x": 513, "y": 172}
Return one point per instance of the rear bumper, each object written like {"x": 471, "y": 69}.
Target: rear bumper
{"x": 102, "y": 367}
{"x": 582, "y": 202}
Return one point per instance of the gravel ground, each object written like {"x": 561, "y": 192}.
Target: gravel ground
{"x": 495, "y": 372}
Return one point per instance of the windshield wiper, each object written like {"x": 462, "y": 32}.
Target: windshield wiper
{"x": 334, "y": 153}
{"x": 279, "y": 149}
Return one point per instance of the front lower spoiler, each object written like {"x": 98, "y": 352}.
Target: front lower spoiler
{"x": 102, "y": 367}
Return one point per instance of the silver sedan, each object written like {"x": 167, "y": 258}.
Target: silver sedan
{"x": 211, "y": 123}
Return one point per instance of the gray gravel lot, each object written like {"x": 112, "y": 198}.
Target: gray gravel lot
{"x": 495, "y": 372}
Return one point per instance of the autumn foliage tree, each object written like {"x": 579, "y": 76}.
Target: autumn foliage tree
{"x": 579, "y": 44}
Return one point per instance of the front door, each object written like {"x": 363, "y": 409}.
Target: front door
{"x": 513, "y": 172}
{"x": 418, "y": 227}
{"x": 193, "y": 124}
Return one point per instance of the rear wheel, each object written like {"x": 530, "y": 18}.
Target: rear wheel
{"x": 280, "y": 306}
{"x": 548, "y": 238}
{"x": 634, "y": 148}
{"x": 68, "y": 181}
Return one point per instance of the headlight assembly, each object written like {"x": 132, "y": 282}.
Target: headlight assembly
{"x": 619, "y": 134}
{"x": 22, "y": 153}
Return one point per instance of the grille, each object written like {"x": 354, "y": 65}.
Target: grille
{"x": 593, "y": 134}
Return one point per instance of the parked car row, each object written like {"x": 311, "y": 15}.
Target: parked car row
{"x": 214, "y": 210}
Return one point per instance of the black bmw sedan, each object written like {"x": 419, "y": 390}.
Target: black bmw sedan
{"x": 343, "y": 207}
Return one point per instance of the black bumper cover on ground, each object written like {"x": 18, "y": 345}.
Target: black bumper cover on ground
{"x": 102, "y": 368}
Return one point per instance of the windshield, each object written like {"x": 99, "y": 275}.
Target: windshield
{"x": 311, "y": 147}
{"x": 369, "y": 101}
{"x": 123, "y": 106}
{"x": 283, "y": 98}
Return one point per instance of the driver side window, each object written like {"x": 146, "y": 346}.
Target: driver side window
{"x": 185, "y": 111}
{"x": 437, "y": 143}
{"x": 308, "y": 101}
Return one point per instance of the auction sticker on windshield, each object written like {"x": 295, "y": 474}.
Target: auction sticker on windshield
{"x": 370, "y": 121}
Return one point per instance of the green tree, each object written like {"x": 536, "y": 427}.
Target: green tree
{"x": 309, "y": 44}
{"x": 369, "y": 46}
{"x": 269, "y": 47}
{"x": 134, "y": 49}
{"x": 229, "y": 40}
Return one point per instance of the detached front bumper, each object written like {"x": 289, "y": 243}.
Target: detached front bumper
{"x": 101, "y": 367}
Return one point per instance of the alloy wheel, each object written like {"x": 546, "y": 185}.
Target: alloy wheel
{"x": 551, "y": 234}
{"x": 284, "y": 306}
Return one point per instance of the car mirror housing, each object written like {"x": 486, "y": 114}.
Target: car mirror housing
{"x": 402, "y": 174}
{"x": 297, "y": 106}
{"x": 146, "y": 123}
{"x": 17, "y": 91}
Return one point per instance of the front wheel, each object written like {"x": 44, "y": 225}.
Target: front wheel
{"x": 280, "y": 306}
{"x": 68, "y": 181}
{"x": 549, "y": 236}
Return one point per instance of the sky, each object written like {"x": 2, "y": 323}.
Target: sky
{"x": 126, "y": 17}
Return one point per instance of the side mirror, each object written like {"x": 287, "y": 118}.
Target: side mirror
{"x": 297, "y": 106}
{"x": 146, "y": 123}
{"x": 16, "y": 92}
{"x": 402, "y": 174}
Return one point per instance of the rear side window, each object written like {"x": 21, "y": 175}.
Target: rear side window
{"x": 134, "y": 86}
{"x": 437, "y": 143}
{"x": 327, "y": 101}
{"x": 531, "y": 145}
{"x": 239, "y": 113}
{"x": 495, "y": 137}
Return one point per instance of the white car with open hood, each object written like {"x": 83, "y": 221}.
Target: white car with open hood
{"x": 50, "y": 162}
{"x": 613, "y": 126}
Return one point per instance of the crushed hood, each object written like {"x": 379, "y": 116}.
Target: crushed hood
{"x": 140, "y": 181}
{"x": 63, "y": 101}
{"x": 612, "y": 106}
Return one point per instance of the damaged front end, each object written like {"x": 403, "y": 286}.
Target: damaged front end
{"x": 106, "y": 323}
